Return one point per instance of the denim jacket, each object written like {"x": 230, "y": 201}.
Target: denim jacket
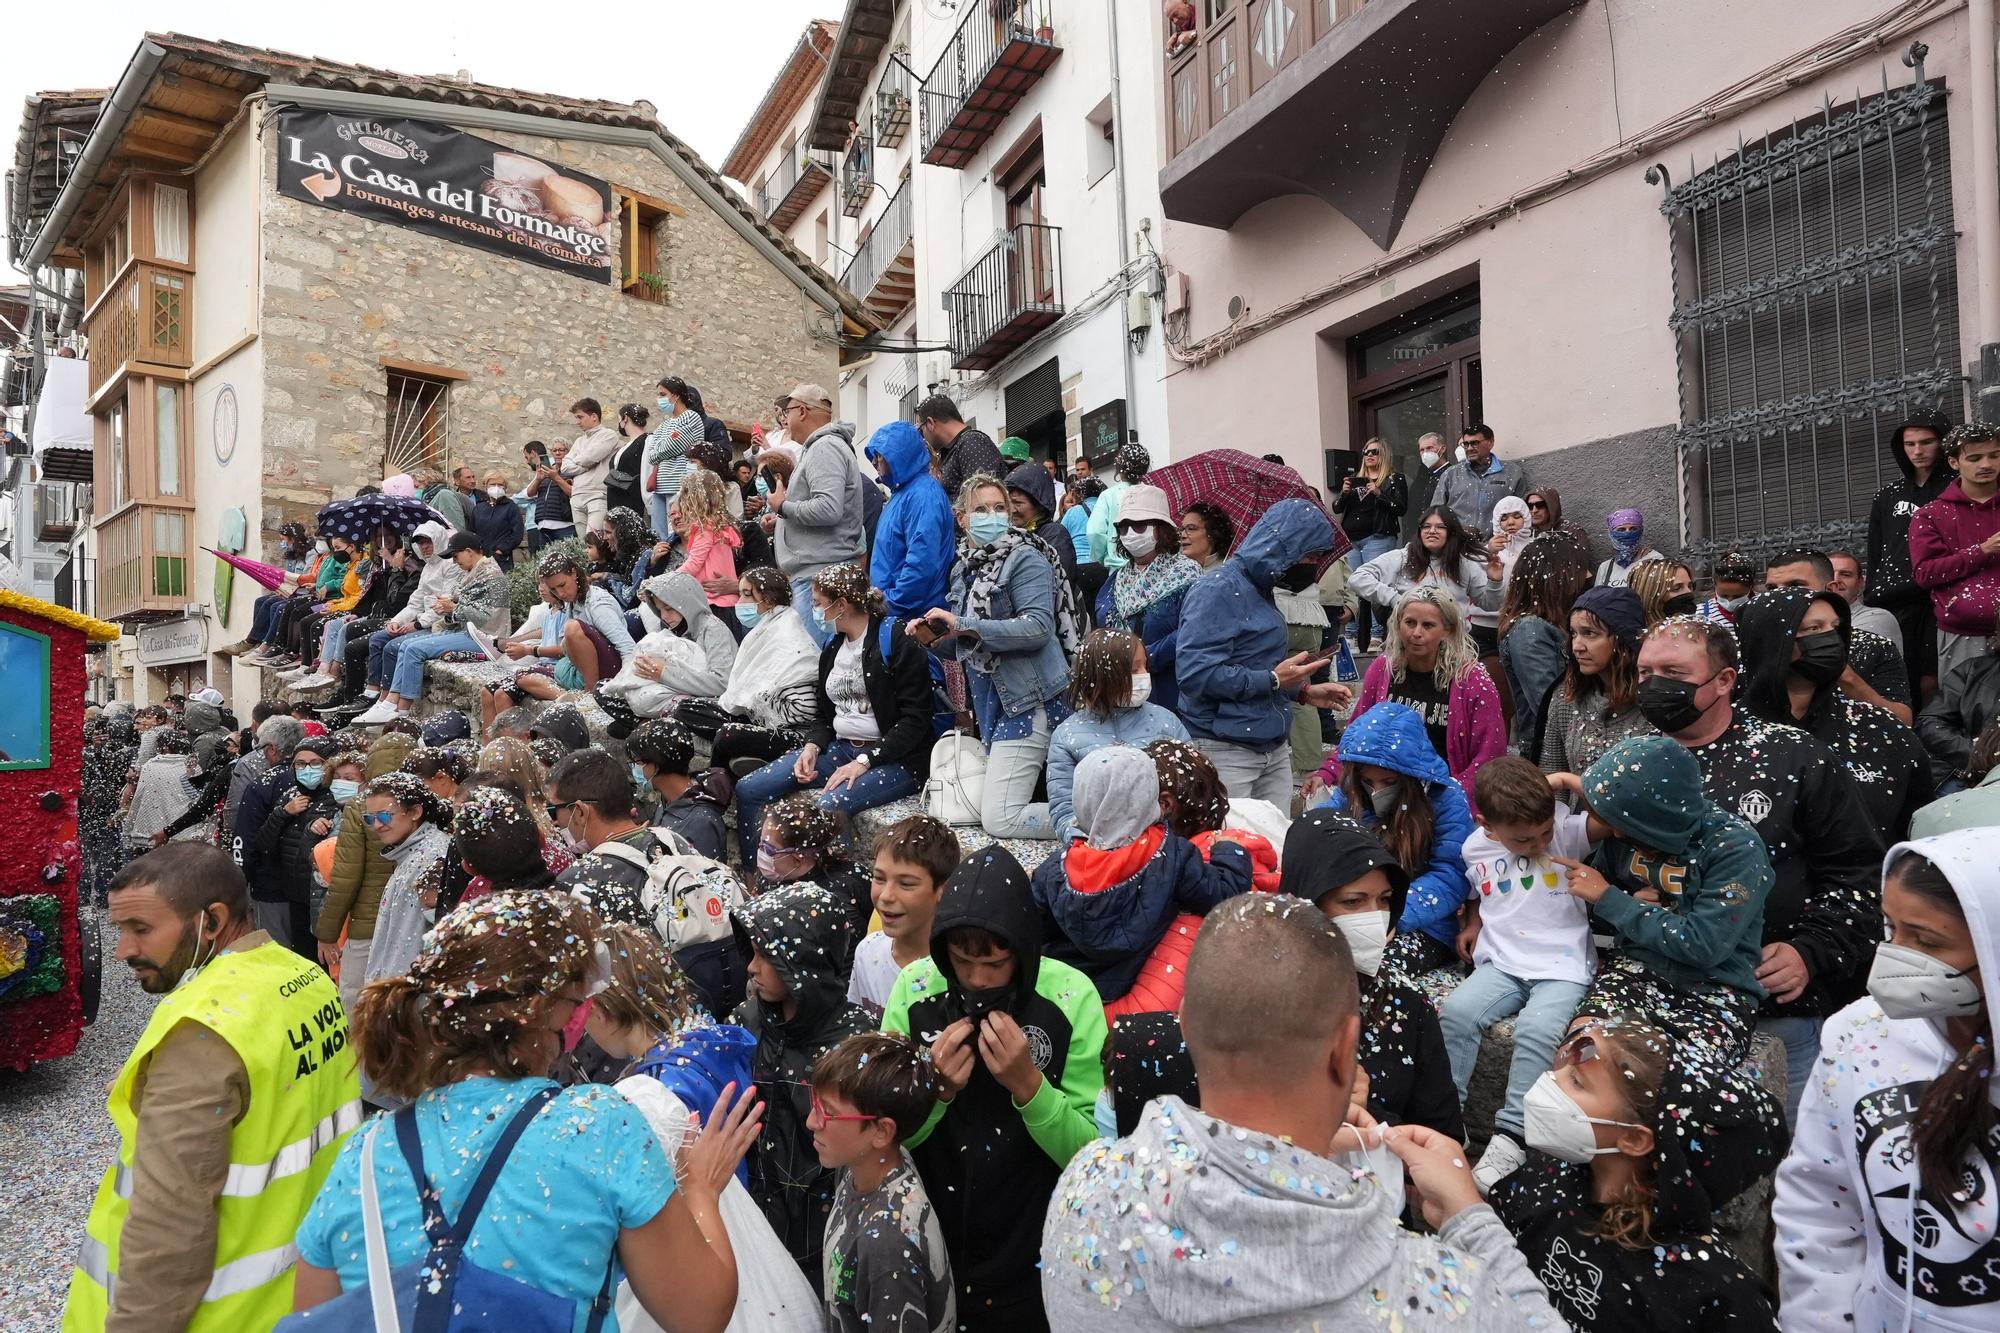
{"x": 1029, "y": 668}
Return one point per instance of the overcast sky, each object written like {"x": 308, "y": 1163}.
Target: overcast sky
{"x": 703, "y": 63}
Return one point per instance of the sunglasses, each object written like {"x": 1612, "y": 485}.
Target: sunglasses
{"x": 556, "y": 811}
{"x": 828, "y": 1117}
{"x": 1371, "y": 453}
{"x": 1538, "y": 504}
{"x": 1579, "y": 1048}
{"x": 378, "y": 820}
{"x": 772, "y": 849}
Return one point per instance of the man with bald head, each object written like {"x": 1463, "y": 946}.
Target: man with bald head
{"x": 1248, "y": 1183}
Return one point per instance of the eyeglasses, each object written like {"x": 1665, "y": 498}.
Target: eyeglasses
{"x": 378, "y": 820}
{"x": 828, "y": 1117}
{"x": 1191, "y": 529}
{"x": 772, "y": 849}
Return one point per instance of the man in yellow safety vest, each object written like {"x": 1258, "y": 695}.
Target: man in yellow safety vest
{"x": 230, "y": 1110}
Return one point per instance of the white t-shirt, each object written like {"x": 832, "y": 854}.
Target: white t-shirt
{"x": 1530, "y": 926}
{"x": 847, "y": 688}
{"x": 875, "y": 972}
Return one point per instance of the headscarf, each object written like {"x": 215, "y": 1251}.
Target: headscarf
{"x": 1134, "y": 590}
{"x": 631, "y": 533}
{"x": 1628, "y": 534}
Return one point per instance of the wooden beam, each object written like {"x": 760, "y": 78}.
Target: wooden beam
{"x": 174, "y": 120}
{"x": 140, "y": 145}
{"x": 223, "y": 101}
{"x": 424, "y": 368}
{"x": 649, "y": 201}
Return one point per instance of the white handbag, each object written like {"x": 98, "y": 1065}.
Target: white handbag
{"x": 956, "y": 791}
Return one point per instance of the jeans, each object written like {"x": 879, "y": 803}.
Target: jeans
{"x": 353, "y": 970}
{"x": 1358, "y": 555}
{"x": 656, "y": 510}
{"x": 802, "y": 600}
{"x": 1801, "y": 1038}
{"x": 404, "y": 660}
{"x": 1247, "y": 774}
{"x": 378, "y": 655}
{"x": 333, "y": 640}
{"x": 540, "y": 537}
{"x": 878, "y": 786}
{"x": 1486, "y": 997}
{"x": 264, "y": 617}
{"x": 1012, "y": 770}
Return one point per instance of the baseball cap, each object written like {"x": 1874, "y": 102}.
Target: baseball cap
{"x": 208, "y": 695}
{"x": 462, "y": 541}
{"x": 810, "y": 395}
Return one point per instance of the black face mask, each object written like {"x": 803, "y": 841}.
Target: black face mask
{"x": 1669, "y": 704}
{"x": 1822, "y": 657}
{"x": 976, "y": 1004}
{"x": 1680, "y": 604}
{"x": 1299, "y": 577}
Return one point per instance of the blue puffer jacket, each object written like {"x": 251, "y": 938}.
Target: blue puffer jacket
{"x": 1080, "y": 733}
{"x": 698, "y": 1063}
{"x": 1392, "y": 736}
{"x": 1108, "y": 932}
{"x": 1232, "y": 635}
{"x": 1029, "y": 668}
{"x": 914, "y": 540}
{"x": 1159, "y": 625}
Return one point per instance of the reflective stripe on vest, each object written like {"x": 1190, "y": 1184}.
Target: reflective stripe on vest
{"x": 247, "y": 1178}
{"x": 239, "y": 1275}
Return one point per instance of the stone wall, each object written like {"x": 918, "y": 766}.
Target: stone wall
{"x": 341, "y": 292}
{"x": 1636, "y": 471}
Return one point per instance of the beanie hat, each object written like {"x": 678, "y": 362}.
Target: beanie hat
{"x": 1620, "y": 611}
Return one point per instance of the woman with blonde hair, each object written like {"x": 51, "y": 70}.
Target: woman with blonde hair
{"x": 1429, "y": 663}
{"x": 1652, "y": 582}
{"x": 701, "y": 517}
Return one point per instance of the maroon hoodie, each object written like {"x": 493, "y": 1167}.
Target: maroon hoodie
{"x": 1964, "y": 581}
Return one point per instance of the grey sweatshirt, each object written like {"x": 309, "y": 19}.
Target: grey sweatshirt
{"x": 820, "y": 522}
{"x": 1193, "y": 1223}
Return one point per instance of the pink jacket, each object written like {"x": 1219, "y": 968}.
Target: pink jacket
{"x": 1964, "y": 581}
{"x": 1475, "y": 730}
{"x": 711, "y": 554}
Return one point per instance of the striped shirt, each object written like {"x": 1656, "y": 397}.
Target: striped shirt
{"x": 667, "y": 447}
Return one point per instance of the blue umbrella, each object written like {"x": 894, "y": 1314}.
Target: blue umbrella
{"x": 359, "y": 519}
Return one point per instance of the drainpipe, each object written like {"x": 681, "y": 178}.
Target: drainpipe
{"x": 1984, "y": 95}
{"x": 1125, "y": 232}
{"x": 104, "y": 135}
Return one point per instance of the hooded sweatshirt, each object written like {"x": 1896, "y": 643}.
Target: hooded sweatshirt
{"x": 820, "y": 523}
{"x": 1891, "y": 581}
{"x": 1192, "y": 1223}
{"x": 1849, "y": 1200}
{"x": 1967, "y": 701}
{"x": 1826, "y": 901}
{"x": 988, "y": 1165}
{"x": 1233, "y": 635}
{"x": 1034, "y": 481}
{"x": 804, "y": 932}
{"x": 917, "y": 533}
{"x": 1885, "y": 757}
{"x": 1707, "y": 865}
{"x": 1392, "y": 736}
{"x": 699, "y": 626}
{"x": 440, "y": 577}
{"x": 1964, "y": 581}
{"x": 1111, "y": 895}
{"x": 1715, "y": 1133}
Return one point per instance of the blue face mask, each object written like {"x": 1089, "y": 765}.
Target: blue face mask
{"x": 666, "y": 404}
{"x": 640, "y": 779}
{"x": 822, "y": 619}
{"x": 345, "y": 789}
{"x": 309, "y": 777}
{"x": 763, "y": 487}
{"x": 987, "y": 528}
{"x": 746, "y": 614}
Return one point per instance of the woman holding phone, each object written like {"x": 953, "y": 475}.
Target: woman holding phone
{"x": 1371, "y": 505}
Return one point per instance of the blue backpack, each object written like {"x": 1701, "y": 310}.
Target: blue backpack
{"x": 443, "y": 1292}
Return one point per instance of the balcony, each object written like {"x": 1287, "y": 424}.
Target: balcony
{"x": 857, "y": 174}
{"x": 884, "y": 271}
{"x": 799, "y": 180}
{"x": 998, "y": 54}
{"x": 892, "y": 105}
{"x": 1262, "y": 78}
{"x": 1012, "y": 293}
{"x": 146, "y": 315}
{"x": 143, "y": 557}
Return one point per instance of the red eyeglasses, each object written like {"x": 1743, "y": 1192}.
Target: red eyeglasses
{"x": 829, "y": 1117}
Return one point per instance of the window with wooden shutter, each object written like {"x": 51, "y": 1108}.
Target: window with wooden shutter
{"x": 1815, "y": 307}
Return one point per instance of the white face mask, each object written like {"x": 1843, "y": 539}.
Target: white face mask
{"x": 1138, "y": 543}
{"x": 1553, "y": 1122}
{"x": 496, "y": 491}
{"x": 1367, "y": 936}
{"x": 1431, "y": 458}
{"x": 1142, "y": 688}
{"x": 1909, "y": 983}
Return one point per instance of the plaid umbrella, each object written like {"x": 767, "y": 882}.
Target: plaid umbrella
{"x": 270, "y": 576}
{"x": 359, "y": 519}
{"x": 1243, "y": 486}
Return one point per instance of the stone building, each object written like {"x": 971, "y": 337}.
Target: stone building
{"x": 304, "y": 275}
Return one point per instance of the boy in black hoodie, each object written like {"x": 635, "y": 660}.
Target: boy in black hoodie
{"x": 1917, "y": 449}
{"x": 795, "y": 938}
{"x": 1018, "y": 1042}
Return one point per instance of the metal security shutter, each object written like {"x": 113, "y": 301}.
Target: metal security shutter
{"x": 1824, "y": 310}
{"x": 1034, "y": 396}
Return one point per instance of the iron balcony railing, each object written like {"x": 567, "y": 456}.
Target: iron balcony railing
{"x": 893, "y": 107}
{"x": 883, "y": 244}
{"x": 997, "y": 53}
{"x": 1009, "y": 294}
{"x": 800, "y": 170}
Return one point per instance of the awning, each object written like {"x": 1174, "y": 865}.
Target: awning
{"x": 62, "y": 430}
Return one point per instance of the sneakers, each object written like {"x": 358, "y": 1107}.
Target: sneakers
{"x": 262, "y": 654}
{"x": 380, "y": 715}
{"x": 319, "y": 680}
{"x": 1502, "y": 1158}
{"x": 744, "y": 767}
{"x": 240, "y": 647}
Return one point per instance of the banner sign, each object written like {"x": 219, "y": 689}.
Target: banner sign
{"x": 451, "y": 184}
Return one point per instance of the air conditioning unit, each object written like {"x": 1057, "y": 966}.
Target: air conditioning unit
{"x": 55, "y": 512}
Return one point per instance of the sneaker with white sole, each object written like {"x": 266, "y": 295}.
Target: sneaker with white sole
{"x": 319, "y": 680}
{"x": 1502, "y": 1158}
{"x": 381, "y": 715}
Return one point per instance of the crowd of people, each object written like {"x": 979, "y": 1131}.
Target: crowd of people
{"x": 887, "y": 884}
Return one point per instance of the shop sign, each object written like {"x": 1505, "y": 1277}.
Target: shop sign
{"x": 173, "y": 641}
{"x": 439, "y": 180}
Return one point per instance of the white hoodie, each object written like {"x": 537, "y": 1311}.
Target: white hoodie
{"x": 1847, "y": 1198}
{"x": 440, "y": 577}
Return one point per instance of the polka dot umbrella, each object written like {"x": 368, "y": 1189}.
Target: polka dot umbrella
{"x": 359, "y": 519}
